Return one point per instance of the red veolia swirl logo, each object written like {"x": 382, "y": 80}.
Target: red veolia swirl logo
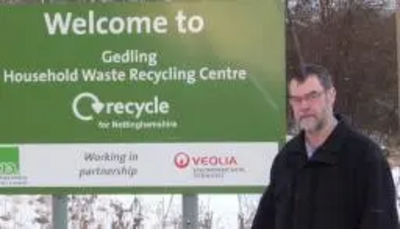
{"x": 181, "y": 160}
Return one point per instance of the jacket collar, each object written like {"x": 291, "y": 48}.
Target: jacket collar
{"x": 328, "y": 152}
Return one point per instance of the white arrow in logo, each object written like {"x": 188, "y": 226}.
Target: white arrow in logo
{"x": 96, "y": 105}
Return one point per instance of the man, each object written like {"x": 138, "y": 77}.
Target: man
{"x": 329, "y": 176}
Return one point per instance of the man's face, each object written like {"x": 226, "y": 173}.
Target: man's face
{"x": 311, "y": 103}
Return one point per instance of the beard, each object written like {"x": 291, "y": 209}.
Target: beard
{"x": 311, "y": 123}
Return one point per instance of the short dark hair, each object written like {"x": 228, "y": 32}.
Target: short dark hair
{"x": 307, "y": 70}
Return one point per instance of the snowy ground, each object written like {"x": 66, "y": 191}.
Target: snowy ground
{"x": 157, "y": 211}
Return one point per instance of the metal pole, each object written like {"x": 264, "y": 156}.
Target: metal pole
{"x": 190, "y": 211}
{"x": 60, "y": 212}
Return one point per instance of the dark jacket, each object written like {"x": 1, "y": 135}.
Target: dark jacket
{"x": 346, "y": 184}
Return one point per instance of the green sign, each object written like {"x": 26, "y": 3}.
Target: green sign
{"x": 116, "y": 77}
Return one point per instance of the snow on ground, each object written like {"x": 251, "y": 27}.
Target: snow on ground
{"x": 34, "y": 212}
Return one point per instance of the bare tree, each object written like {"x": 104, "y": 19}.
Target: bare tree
{"x": 247, "y": 210}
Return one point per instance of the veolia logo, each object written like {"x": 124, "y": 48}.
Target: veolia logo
{"x": 181, "y": 160}
{"x": 9, "y": 160}
{"x": 137, "y": 109}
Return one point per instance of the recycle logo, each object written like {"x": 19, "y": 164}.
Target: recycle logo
{"x": 96, "y": 105}
{"x": 136, "y": 109}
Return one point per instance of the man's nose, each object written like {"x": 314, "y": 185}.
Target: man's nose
{"x": 304, "y": 104}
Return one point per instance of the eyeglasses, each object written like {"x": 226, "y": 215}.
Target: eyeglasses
{"x": 309, "y": 97}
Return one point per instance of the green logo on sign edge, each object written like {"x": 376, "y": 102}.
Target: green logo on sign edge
{"x": 9, "y": 160}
